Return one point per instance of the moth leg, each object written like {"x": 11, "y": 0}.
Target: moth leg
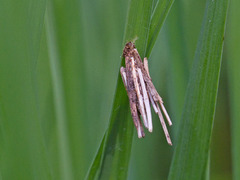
{"x": 139, "y": 95}
{"x": 145, "y": 100}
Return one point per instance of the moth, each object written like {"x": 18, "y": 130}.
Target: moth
{"x": 141, "y": 92}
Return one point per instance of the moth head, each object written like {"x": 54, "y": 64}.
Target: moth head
{"x": 128, "y": 48}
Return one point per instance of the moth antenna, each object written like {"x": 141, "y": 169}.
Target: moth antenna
{"x": 134, "y": 40}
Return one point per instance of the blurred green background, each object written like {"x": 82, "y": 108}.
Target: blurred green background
{"x": 59, "y": 63}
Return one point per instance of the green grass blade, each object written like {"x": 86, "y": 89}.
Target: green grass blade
{"x": 23, "y": 154}
{"x": 191, "y": 153}
{"x": 233, "y": 42}
{"x": 207, "y": 175}
{"x": 159, "y": 15}
{"x": 59, "y": 97}
{"x": 97, "y": 161}
{"x": 69, "y": 41}
{"x": 178, "y": 70}
{"x": 118, "y": 142}
{"x": 138, "y": 23}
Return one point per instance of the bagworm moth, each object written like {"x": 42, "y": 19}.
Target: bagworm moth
{"x": 141, "y": 92}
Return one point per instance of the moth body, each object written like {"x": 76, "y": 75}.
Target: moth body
{"x": 141, "y": 92}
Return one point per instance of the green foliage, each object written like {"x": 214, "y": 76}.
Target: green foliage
{"x": 193, "y": 143}
{"x": 117, "y": 148}
{"x": 23, "y": 154}
{"x": 64, "y": 112}
{"x": 233, "y": 42}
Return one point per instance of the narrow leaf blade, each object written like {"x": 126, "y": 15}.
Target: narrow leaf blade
{"x": 23, "y": 153}
{"x": 233, "y": 44}
{"x": 159, "y": 15}
{"x": 119, "y": 134}
{"x": 191, "y": 153}
{"x": 117, "y": 149}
